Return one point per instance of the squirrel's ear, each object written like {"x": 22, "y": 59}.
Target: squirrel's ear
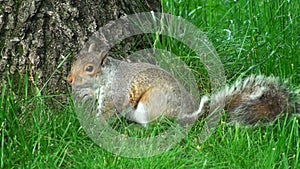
{"x": 91, "y": 47}
{"x": 102, "y": 57}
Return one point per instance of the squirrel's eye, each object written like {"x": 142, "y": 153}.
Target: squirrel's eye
{"x": 89, "y": 68}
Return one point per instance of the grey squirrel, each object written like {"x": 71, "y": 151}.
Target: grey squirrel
{"x": 143, "y": 92}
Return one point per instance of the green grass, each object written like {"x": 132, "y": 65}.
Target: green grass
{"x": 264, "y": 39}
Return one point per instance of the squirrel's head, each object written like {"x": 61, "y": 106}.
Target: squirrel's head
{"x": 87, "y": 67}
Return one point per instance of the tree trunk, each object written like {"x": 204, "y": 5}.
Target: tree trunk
{"x": 37, "y": 36}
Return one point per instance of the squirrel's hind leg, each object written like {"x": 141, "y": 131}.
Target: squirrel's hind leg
{"x": 152, "y": 105}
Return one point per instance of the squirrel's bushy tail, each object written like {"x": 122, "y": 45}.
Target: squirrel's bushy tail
{"x": 255, "y": 100}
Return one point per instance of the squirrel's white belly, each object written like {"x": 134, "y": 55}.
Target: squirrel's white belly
{"x": 100, "y": 95}
{"x": 140, "y": 115}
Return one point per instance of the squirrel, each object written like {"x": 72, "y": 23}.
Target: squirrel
{"x": 143, "y": 92}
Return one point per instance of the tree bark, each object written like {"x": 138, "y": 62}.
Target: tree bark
{"x": 37, "y": 36}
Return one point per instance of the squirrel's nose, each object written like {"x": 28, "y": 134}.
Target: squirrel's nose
{"x": 70, "y": 79}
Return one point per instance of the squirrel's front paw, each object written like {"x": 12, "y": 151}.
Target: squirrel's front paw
{"x": 83, "y": 95}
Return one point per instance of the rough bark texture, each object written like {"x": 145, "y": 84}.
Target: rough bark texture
{"x": 37, "y": 36}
